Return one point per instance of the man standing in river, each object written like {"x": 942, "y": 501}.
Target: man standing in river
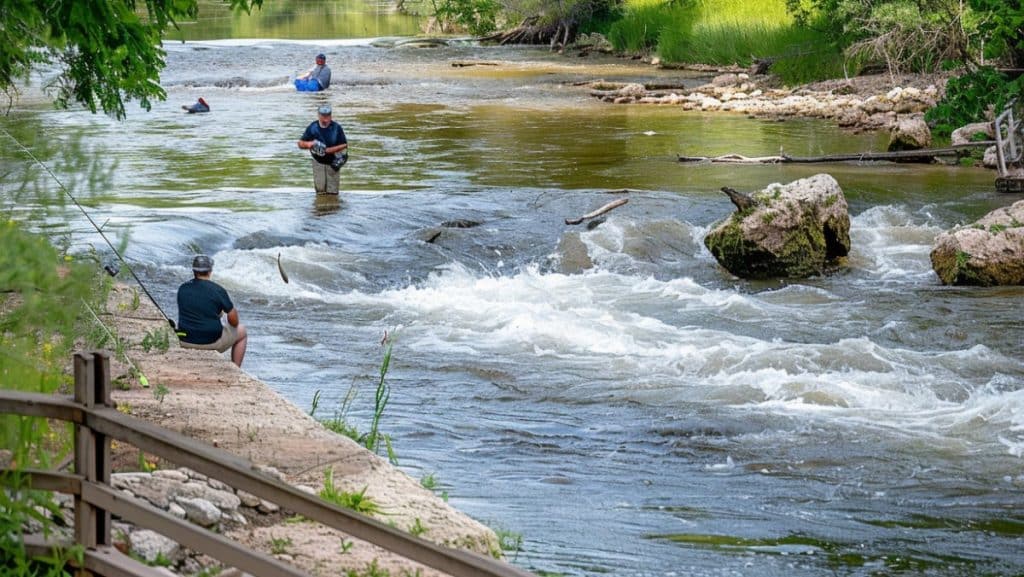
{"x": 325, "y": 140}
{"x": 201, "y": 303}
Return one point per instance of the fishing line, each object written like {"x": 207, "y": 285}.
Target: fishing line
{"x": 92, "y": 222}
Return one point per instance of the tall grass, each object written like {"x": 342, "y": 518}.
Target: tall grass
{"x": 641, "y": 25}
{"x": 727, "y": 32}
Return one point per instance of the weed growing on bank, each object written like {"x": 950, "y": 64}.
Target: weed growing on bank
{"x": 375, "y": 439}
{"x": 43, "y": 300}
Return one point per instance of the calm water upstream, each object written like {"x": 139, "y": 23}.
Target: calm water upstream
{"x": 650, "y": 415}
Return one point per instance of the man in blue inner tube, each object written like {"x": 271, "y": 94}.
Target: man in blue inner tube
{"x": 321, "y": 74}
{"x": 325, "y": 140}
{"x": 199, "y": 106}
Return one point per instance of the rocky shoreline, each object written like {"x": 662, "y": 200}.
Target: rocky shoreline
{"x": 860, "y": 103}
{"x": 203, "y": 395}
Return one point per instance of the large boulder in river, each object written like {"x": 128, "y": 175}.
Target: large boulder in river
{"x": 989, "y": 252}
{"x": 792, "y": 230}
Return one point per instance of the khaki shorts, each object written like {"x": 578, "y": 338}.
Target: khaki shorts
{"x": 228, "y": 337}
{"x": 325, "y": 178}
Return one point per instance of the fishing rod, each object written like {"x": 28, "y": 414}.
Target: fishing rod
{"x": 99, "y": 230}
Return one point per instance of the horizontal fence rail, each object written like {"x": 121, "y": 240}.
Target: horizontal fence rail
{"x": 97, "y": 422}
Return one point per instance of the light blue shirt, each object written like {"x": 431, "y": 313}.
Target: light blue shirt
{"x": 322, "y": 74}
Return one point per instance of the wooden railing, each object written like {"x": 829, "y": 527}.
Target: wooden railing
{"x": 97, "y": 422}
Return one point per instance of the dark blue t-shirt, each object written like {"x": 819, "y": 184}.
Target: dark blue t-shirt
{"x": 200, "y": 304}
{"x": 333, "y": 135}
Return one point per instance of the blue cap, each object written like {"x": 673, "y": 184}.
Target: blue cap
{"x": 321, "y": 56}
{"x": 325, "y": 110}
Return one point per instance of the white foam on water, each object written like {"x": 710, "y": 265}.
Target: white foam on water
{"x": 256, "y": 271}
{"x": 578, "y": 325}
{"x": 891, "y": 244}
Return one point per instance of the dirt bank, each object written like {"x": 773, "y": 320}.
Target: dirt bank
{"x": 203, "y": 395}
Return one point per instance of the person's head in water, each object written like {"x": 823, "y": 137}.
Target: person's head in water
{"x": 324, "y": 115}
{"x": 202, "y": 265}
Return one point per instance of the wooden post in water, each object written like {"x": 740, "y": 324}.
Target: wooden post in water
{"x": 92, "y": 449}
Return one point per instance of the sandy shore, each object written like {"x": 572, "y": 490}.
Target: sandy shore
{"x": 203, "y": 395}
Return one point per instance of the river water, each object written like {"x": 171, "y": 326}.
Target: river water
{"x": 608, "y": 394}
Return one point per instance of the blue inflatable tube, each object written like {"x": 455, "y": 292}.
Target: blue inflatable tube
{"x": 307, "y": 85}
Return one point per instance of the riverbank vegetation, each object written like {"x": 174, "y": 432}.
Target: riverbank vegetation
{"x": 44, "y": 295}
{"x": 799, "y": 41}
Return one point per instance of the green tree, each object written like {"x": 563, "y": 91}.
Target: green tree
{"x": 106, "y": 51}
{"x": 1003, "y": 23}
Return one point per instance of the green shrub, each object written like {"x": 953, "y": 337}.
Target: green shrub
{"x": 970, "y": 98}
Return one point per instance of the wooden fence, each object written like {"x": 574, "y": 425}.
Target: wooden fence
{"x": 97, "y": 422}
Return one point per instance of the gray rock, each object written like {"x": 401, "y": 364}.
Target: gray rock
{"x": 155, "y": 490}
{"x": 222, "y": 499}
{"x": 989, "y": 252}
{"x": 267, "y": 507}
{"x": 965, "y": 134}
{"x": 199, "y": 511}
{"x": 176, "y": 510}
{"x": 150, "y": 545}
{"x": 248, "y": 499}
{"x": 910, "y": 133}
{"x": 990, "y": 158}
{"x": 172, "y": 474}
{"x": 219, "y": 485}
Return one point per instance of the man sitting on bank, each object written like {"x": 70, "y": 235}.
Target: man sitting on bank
{"x": 201, "y": 303}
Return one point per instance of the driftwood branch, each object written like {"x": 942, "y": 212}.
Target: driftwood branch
{"x": 784, "y": 158}
{"x": 611, "y": 205}
{"x": 465, "y": 63}
{"x": 742, "y": 200}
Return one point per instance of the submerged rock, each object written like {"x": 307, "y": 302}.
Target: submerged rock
{"x": 793, "y": 230}
{"x": 989, "y": 252}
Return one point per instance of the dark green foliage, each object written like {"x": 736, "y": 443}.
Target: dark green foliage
{"x": 1004, "y": 25}
{"x": 479, "y": 17}
{"x": 41, "y": 300}
{"x": 108, "y": 50}
{"x": 969, "y": 97}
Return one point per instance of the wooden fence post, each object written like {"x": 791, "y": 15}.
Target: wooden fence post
{"x": 92, "y": 449}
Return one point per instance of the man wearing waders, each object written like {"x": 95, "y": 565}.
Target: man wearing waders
{"x": 325, "y": 140}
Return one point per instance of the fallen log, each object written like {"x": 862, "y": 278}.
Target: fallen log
{"x": 860, "y": 156}
{"x": 611, "y": 205}
{"x": 465, "y": 63}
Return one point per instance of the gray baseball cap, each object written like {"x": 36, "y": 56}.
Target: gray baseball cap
{"x": 202, "y": 263}
{"x": 325, "y": 110}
